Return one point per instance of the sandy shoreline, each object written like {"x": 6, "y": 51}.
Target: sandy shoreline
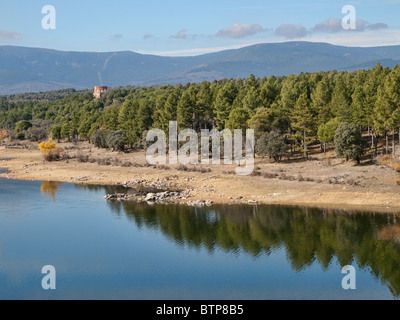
{"x": 314, "y": 183}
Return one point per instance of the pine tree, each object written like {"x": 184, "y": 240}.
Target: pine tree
{"x": 320, "y": 100}
{"x": 303, "y": 124}
{"x": 252, "y": 100}
{"x": 144, "y": 116}
{"x": 224, "y": 103}
{"x": 269, "y": 92}
{"x": 341, "y": 99}
{"x": 252, "y": 82}
{"x": 387, "y": 113}
{"x": 127, "y": 120}
{"x": 349, "y": 142}
{"x": 185, "y": 111}
{"x": 170, "y": 112}
{"x": 326, "y": 132}
{"x": 358, "y": 111}
{"x": 204, "y": 107}
{"x": 238, "y": 119}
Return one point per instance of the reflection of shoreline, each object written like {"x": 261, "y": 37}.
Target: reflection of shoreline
{"x": 379, "y": 193}
{"x": 3, "y": 170}
{"x": 307, "y": 235}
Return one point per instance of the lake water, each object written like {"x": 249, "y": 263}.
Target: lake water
{"x": 134, "y": 251}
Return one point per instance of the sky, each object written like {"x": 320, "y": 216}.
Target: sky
{"x": 192, "y": 27}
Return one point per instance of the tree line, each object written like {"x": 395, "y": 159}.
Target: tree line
{"x": 305, "y": 109}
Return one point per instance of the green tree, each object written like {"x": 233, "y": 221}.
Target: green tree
{"x": 326, "y": 132}
{"x": 66, "y": 131}
{"x": 110, "y": 118}
{"x": 303, "y": 124}
{"x": 358, "y": 110}
{"x": 144, "y": 116}
{"x": 127, "y": 121}
{"x": 252, "y": 100}
{"x": 21, "y": 129}
{"x": 170, "y": 109}
{"x": 238, "y": 119}
{"x": 116, "y": 140}
{"x": 387, "y": 112}
{"x": 98, "y": 138}
{"x": 272, "y": 145}
{"x": 320, "y": 100}
{"x": 223, "y": 104}
{"x": 204, "y": 107}
{"x": 341, "y": 99}
{"x": 269, "y": 92}
{"x": 349, "y": 142}
{"x": 186, "y": 110}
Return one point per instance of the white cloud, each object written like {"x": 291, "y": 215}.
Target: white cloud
{"x": 196, "y": 51}
{"x": 378, "y": 26}
{"x": 239, "y": 30}
{"x": 291, "y": 31}
{"x": 9, "y": 35}
{"x": 334, "y": 25}
{"x": 369, "y": 38}
{"x": 181, "y": 35}
{"x": 117, "y": 37}
{"x": 331, "y": 25}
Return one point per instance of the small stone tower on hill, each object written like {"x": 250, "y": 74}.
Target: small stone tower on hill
{"x": 100, "y": 92}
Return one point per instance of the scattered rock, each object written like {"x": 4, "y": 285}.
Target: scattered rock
{"x": 151, "y": 197}
{"x": 200, "y": 203}
{"x": 119, "y": 197}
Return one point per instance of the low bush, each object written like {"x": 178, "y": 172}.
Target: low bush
{"x": 82, "y": 158}
{"x": 268, "y": 175}
{"x": 50, "y": 151}
{"x": 193, "y": 169}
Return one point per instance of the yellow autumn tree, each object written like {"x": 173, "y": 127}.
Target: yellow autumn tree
{"x": 3, "y": 134}
{"x": 50, "y": 150}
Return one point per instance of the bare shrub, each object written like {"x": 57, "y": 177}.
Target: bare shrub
{"x": 231, "y": 172}
{"x": 268, "y": 175}
{"x": 54, "y": 154}
{"x": 193, "y": 169}
{"x": 82, "y": 157}
{"x": 162, "y": 167}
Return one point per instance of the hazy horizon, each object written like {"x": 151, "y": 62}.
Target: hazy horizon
{"x": 212, "y": 50}
{"x": 177, "y": 28}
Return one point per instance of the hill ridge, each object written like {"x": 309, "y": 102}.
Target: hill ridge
{"x": 24, "y": 69}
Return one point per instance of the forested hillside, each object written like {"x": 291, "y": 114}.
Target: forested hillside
{"x": 303, "y": 108}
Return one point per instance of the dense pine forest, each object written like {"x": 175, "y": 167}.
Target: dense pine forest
{"x": 305, "y": 109}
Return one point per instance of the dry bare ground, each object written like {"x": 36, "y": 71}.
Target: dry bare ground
{"x": 319, "y": 182}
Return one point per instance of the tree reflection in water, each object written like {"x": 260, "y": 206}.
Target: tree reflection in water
{"x": 50, "y": 188}
{"x": 308, "y": 235}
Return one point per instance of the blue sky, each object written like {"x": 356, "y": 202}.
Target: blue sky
{"x": 189, "y": 27}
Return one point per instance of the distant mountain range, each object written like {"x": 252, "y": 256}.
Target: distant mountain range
{"x": 33, "y": 70}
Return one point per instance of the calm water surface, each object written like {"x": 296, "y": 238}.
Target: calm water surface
{"x": 129, "y": 251}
